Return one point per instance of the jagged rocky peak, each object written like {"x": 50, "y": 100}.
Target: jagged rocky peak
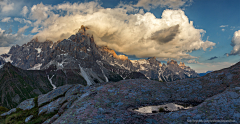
{"x": 172, "y": 62}
{"x": 153, "y": 60}
{"x": 83, "y": 29}
{"x": 182, "y": 65}
{"x": 113, "y": 53}
{"x": 5, "y": 55}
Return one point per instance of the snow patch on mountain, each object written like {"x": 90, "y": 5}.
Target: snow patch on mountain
{"x": 85, "y": 76}
{"x": 39, "y": 50}
{"x": 122, "y": 65}
{"x": 1, "y": 66}
{"x": 101, "y": 64}
{"x": 143, "y": 61}
{"x": 36, "y": 67}
{"x": 50, "y": 80}
{"x": 8, "y": 59}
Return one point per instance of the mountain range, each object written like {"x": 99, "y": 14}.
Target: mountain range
{"x": 43, "y": 66}
{"x": 80, "y": 51}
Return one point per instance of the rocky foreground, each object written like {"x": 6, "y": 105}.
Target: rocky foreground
{"x": 215, "y": 96}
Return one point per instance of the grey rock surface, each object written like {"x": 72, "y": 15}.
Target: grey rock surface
{"x": 27, "y": 104}
{"x": 53, "y": 94}
{"x": 9, "y": 112}
{"x": 28, "y": 118}
{"x": 52, "y": 106}
{"x": 51, "y": 120}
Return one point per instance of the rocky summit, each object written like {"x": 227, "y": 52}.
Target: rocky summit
{"x": 215, "y": 96}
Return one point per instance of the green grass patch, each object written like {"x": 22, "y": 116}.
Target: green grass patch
{"x": 20, "y": 115}
{"x": 3, "y": 109}
{"x": 161, "y": 109}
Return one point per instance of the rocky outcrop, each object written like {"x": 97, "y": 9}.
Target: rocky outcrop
{"x": 27, "y": 104}
{"x": 31, "y": 54}
{"x": 215, "y": 96}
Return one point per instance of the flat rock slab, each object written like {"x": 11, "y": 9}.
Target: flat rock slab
{"x": 111, "y": 102}
{"x": 27, "y": 104}
{"x": 45, "y": 98}
{"x": 51, "y": 120}
{"x": 28, "y": 118}
{"x": 9, "y": 112}
{"x": 52, "y": 106}
{"x": 74, "y": 90}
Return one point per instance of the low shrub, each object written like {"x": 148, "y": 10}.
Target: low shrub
{"x": 161, "y": 109}
{"x": 3, "y": 109}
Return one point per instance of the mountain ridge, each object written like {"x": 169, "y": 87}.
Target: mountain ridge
{"x": 80, "y": 49}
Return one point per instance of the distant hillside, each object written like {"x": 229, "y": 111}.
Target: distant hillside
{"x": 202, "y": 74}
{"x": 17, "y": 85}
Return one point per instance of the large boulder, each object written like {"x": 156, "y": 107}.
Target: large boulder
{"x": 27, "y": 104}
{"x": 45, "y": 98}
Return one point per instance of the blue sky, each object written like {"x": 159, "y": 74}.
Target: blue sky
{"x": 204, "y": 34}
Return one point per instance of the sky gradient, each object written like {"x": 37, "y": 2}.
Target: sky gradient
{"x": 204, "y": 34}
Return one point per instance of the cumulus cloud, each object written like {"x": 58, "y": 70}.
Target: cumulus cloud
{"x": 22, "y": 20}
{"x": 21, "y": 30}
{"x": 140, "y": 34}
{"x": 6, "y": 6}
{"x": 192, "y": 61}
{"x": 222, "y": 26}
{"x": 174, "y": 4}
{"x": 223, "y": 29}
{"x": 235, "y": 43}
{"x": 11, "y": 7}
{"x": 165, "y": 35}
{"x": 7, "y": 38}
{"x": 40, "y": 12}
{"x": 24, "y": 11}
{"x": 213, "y": 58}
{"x": 6, "y": 19}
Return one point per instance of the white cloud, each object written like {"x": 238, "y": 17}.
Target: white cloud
{"x": 236, "y": 43}
{"x": 6, "y": 19}
{"x": 174, "y": 4}
{"x": 222, "y": 26}
{"x": 223, "y": 30}
{"x": 11, "y": 8}
{"x": 6, "y": 6}
{"x": 34, "y": 30}
{"x": 140, "y": 34}
{"x": 40, "y": 12}
{"x": 21, "y": 30}
{"x": 192, "y": 61}
{"x": 7, "y": 38}
{"x": 4, "y": 50}
{"x": 24, "y": 11}
{"x": 22, "y": 20}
